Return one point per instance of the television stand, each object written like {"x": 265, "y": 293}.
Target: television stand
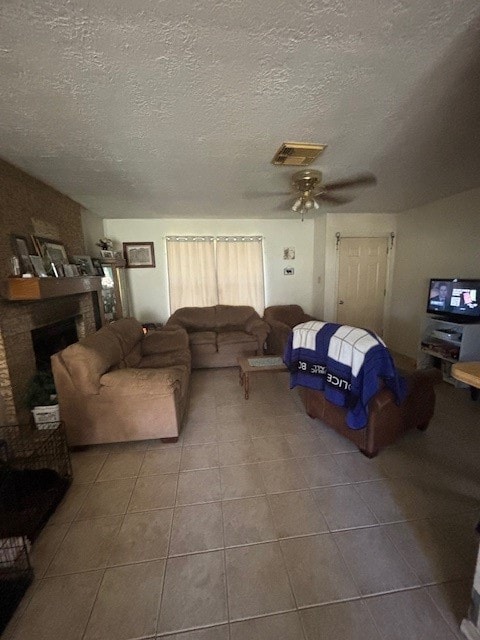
{"x": 443, "y": 343}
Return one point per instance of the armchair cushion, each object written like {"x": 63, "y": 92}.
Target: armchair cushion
{"x": 281, "y": 319}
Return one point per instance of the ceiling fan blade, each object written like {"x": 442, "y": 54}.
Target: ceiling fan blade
{"x": 326, "y": 197}
{"x": 354, "y": 181}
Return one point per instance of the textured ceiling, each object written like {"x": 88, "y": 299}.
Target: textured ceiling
{"x": 174, "y": 108}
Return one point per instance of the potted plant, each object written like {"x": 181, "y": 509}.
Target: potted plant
{"x": 41, "y": 399}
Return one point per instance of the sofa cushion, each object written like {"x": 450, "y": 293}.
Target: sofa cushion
{"x": 203, "y": 337}
{"x": 133, "y": 358}
{"x": 129, "y": 333}
{"x": 235, "y": 337}
{"x": 141, "y": 381}
{"x": 233, "y": 317}
{"x": 89, "y": 359}
{"x": 168, "y": 359}
{"x": 165, "y": 340}
{"x": 194, "y": 318}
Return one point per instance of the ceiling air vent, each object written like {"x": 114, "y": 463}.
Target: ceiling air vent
{"x": 298, "y": 154}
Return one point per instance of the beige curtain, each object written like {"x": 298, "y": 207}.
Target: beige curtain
{"x": 192, "y": 277}
{"x": 240, "y": 271}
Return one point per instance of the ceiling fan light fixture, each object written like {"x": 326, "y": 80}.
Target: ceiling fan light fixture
{"x": 297, "y": 205}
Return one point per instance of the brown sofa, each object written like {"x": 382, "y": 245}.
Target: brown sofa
{"x": 219, "y": 334}
{"x": 119, "y": 384}
{"x": 386, "y": 420}
{"x": 281, "y": 319}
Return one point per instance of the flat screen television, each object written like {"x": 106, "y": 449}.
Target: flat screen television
{"x": 454, "y": 299}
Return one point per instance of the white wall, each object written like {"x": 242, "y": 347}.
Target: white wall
{"x": 92, "y": 227}
{"x": 438, "y": 240}
{"x": 319, "y": 266}
{"x": 149, "y": 287}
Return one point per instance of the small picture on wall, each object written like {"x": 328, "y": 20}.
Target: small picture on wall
{"x": 288, "y": 271}
{"x": 289, "y": 253}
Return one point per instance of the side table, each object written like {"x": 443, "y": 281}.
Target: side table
{"x": 469, "y": 373}
{"x": 257, "y": 364}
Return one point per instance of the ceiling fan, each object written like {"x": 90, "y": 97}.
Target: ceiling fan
{"x": 309, "y": 190}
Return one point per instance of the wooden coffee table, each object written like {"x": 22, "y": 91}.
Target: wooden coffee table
{"x": 257, "y": 364}
{"x": 469, "y": 373}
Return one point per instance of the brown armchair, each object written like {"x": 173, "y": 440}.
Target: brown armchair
{"x": 282, "y": 318}
{"x": 387, "y": 420}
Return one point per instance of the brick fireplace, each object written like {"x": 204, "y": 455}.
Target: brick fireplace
{"x": 17, "y": 356}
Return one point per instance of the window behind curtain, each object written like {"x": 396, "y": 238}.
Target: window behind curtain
{"x": 200, "y": 276}
{"x": 240, "y": 271}
{"x": 192, "y": 276}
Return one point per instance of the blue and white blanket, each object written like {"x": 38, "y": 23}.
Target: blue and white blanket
{"x": 347, "y": 363}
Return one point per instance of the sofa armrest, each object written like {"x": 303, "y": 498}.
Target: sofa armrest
{"x": 173, "y": 323}
{"x": 167, "y": 339}
{"x": 260, "y": 329}
{"x": 257, "y": 326}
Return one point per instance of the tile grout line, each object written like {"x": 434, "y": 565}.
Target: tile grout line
{"x": 104, "y": 571}
{"x": 160, "y": 599}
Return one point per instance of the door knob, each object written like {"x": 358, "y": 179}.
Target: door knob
{"x": 341, "y": 302}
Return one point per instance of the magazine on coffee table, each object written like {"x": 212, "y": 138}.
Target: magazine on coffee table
{"x": 265, "y": 362}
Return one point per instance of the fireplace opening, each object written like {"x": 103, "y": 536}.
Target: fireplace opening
{"x": 52, "y": 338}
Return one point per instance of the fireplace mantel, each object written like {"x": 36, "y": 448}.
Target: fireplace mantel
{"x": 29, "y": 289}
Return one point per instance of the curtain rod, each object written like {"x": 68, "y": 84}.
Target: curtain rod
{"x": 212, "y": 238}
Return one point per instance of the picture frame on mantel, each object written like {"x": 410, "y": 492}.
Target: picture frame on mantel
{"x": 139, "y": 254}
{"x": 38, "y": 266}
{"x": 85, "y": 265}
{"x": 20, "y": 245}
{"x": 52, "y": 249}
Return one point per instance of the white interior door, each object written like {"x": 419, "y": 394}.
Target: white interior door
{"x": 362, "y": 279}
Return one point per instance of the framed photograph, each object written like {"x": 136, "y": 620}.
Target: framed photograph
{"x": 21, "y": 248}
{"x": 139, "y": 254}
{"x": 56, "y": 252}
{"x": 38, "y": 266}
{"x": 106, "y": 253}
{"x": 97, "y": 265}
{"x": 39, "y": 243}
{"x": 85, "y": 265}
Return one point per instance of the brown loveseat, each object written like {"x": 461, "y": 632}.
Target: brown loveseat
{"x": 119, "y": 384}
{"x": 281, "y": 319}
{"x": 219, "y": 334}
{"x": 386, "y": 420}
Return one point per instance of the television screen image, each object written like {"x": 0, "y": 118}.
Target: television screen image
{"x": 459, "y": 299}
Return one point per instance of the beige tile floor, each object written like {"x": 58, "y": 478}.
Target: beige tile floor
{"x": 262, "y": 524}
